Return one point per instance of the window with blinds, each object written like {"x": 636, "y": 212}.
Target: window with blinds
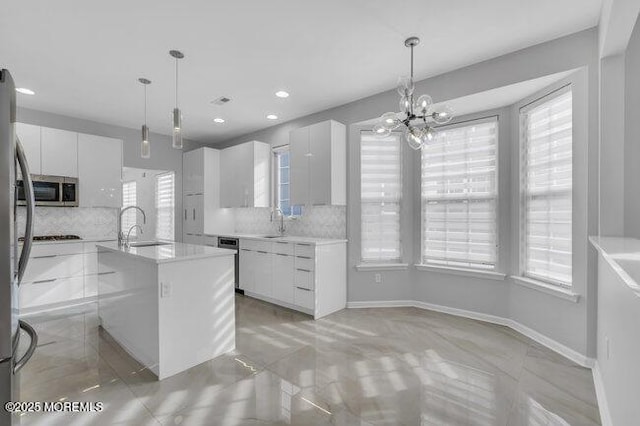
{"x": 547, "y": 133}
{"x": 165, "y": 206}
{"x": 381, "y": 195}
{"x": 129, "y": 199}
{"x": 459, "y": 192}
{"x": 282, "y": 183}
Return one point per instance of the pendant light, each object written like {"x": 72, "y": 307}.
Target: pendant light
{"x": 145, "y": 146}
{"x": 177, "y": 114}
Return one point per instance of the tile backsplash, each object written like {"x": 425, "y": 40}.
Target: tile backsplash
{"x": 84, "y": 222}
{"x": 316, "y": 221}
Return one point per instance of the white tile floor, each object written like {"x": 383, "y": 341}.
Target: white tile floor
{"x": 397, "y": 366}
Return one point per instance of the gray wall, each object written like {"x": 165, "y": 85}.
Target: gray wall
{"x": 503, "y": 299}
{"x": 163, "y": 156}
{"x": 632, "y": 136}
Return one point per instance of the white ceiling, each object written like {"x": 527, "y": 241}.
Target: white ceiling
{"x": 83, "y": 58}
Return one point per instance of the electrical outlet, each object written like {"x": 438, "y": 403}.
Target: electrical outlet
{"x": 378, "y": 278}
{"x": 165, "y": 290}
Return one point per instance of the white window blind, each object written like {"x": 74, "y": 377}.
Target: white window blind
{"x": 459, "y": 188}
{"x": 129, "y": 199}
{"x": 283, "y": 181}
{"x": 165, "y": 206}
{"x": 547, "y": 132}
{"x": 381, "y": 195}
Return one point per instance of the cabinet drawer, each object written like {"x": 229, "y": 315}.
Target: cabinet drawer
{"x": 248, "y": 244}
{"x": 282, "y": 247}
{"x": 210, "y": 241}
{"x": 54, "y": 266}
{"x": 90, "y": 263}
{"x": 305, "y": 263}
{"x": 305, "y": 250}
{"x": 41, "y": 250}
{"x": 304, "y": 298}
{"x": 54, "y": 291}
{"x": 304, "y": 279}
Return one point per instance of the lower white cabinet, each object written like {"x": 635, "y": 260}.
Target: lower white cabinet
{"x": 307, "y": 277}
{"x": 283, "y": 277}
{"x": 59, "y": 275}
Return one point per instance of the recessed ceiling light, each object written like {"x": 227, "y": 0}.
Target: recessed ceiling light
{"x": 282, "y": 94}
{"x": 218, "y": 120}
{"x": 25, "y": 91}
{"x": 272, "y": 117}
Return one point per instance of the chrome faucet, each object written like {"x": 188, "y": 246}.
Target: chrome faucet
{"x": 120, "y": 233}
{"x": 127, "y": 244}
{"x": 281, "y": 228}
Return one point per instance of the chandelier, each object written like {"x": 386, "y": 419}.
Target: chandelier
{"x": 417, "y": 117}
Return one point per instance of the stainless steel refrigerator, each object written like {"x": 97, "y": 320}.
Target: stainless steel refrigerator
{"x": 13, "y": 256}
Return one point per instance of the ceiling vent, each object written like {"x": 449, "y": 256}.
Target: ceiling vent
{"x": 221, "y": 100}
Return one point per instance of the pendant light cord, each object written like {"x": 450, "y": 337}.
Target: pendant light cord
{"x": 411, "y": 63}
{"x": 176, "y": 82}
{"x": 145, "y": 104}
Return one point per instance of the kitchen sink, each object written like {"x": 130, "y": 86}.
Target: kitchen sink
{"x": 147, "y": 243}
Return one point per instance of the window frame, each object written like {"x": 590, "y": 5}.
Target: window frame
{"x": 494, "y": 269}
{"x": 395, "y": 263}
{"x": 275, "y": 187}
{"x": 522, "y": 214}
{"x": 128, "y": 213}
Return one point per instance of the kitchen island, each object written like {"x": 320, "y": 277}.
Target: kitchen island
{"x": 170, "y": 305}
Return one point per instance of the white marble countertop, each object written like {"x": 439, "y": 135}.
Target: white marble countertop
{"x": 287, "y": 238}
{"x": 623, "y": 254}
{"x": 171, "y": 252}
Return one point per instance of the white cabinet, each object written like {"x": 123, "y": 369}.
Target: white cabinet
{"x": 246, "y": 271}
{"x": 308, "y": 277}
{"x": 283, "y": 277}
{"x": 245, "y": 175}
{"x": 29, "y": 135}
{"x": 319, "y": 164}
{"x": 201, "y": 196}
{"x": 59, "y": 152}
{"x": 99, "y": 171}
{"x": 59, "y": 275}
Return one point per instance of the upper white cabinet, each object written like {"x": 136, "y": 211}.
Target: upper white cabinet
{"x": 193, "y": 170}
{"x": 99, "y": 171}
{"x": 319, "y": 164}
{"x": 245, "y": 175}
{"x": 59, "y": 152}
{"x": 29, "y": 135}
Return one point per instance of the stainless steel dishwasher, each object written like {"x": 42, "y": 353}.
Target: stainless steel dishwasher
{"x": 232, "y": 244}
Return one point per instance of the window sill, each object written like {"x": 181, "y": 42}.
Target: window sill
{"x": 563, "y": 293}
{"x": 465, "y": 272}
{"x": 363, "y": 267}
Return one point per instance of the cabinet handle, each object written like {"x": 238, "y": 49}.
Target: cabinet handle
{"x": 281, "y": 254}
{"x": 303, "y": 270}
{"x": 45, "y": 257}
{"x": 194, "y": 214}
{"x": 302, "y": 288}
{"x": 303, "y": 257}
{"x": 245, "y": 249}
{"x": 44, "y": 281}
{"x": 263, "y": 252}
{"x": 185, "y": 214}
{"x": 106, "y": 273}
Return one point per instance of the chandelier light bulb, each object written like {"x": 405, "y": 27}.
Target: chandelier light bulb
{"x": 389, "y": 120}
{"x": 429, "y": 133}
{"x": 381, "y": 131}
{"x": 414, "y": 137}
{"x": 423, "y": 103}
{"x": 177, "y": 129}
{"x": 405, "y": 86}
{"x": 443, "y": 115}
{"x": 405, "y": 105}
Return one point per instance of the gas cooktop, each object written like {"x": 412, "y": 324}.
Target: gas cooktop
{"x": 53, "y": 238}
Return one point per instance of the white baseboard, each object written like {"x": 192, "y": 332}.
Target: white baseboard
{"x": 603, "y": 406}
{"x": 555, "y": 346}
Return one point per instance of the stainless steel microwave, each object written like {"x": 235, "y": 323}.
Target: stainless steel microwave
{"x": 51, "y": 191}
